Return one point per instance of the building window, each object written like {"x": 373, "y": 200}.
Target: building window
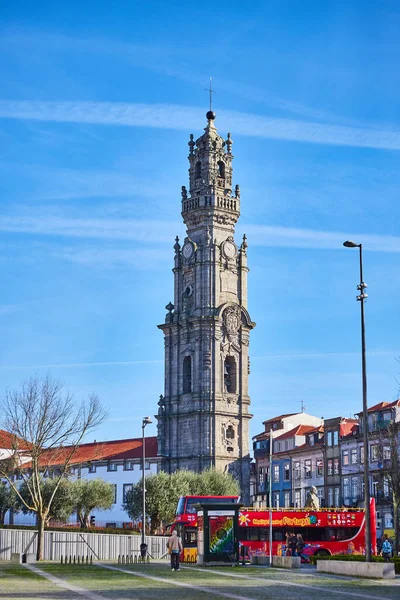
{"x": 286, "y": 499}
{"x": 277, "y": 446}
{"x": 345, "y": 458}
{"x": 198, "y": 170}
{"x": 320, "y": 492}
{"x": 114, "y": 485}
{"x": 297, "y": 499}
{"x": 276, "y": 499}
{"x": 146, "y": 465}
{"x": 230, "y": 433}
{"x": 127, "y": 487}
{"x": 320, "y": 467}
{"x": 286, "y": 473}
{"x": 330, "y": 467}
{"x": 187, "y": 375}
{"x": 129, "y": 465}
{"x": 336, "y": 466}
{"x": 361, "y": 454}
{"x": 335, "y": 438}
{"x": 112, "y": 466}
{"x": 374, "y": 452}
{"x": 296, "y": 469}
{"x": 346, "y": 487}
{"x": 337, "y": 496}
{"x": 311, "y": 440}
{"x": 307, "y": 468}
{"x": 375, "y": 486}
{"x": 386, "y": 453}
{"x": 230, "y": 375}
{"x": 329, "y": 438}
{"x": 354, "y": 488}
{"x": 221, "y": 168}
{"x": 92, "y": 469}
{"x": 261, "y": 475}
{"x": 330, "y": 497}
{"x": 354, "y": 456}
{"x": 276, "y": 473}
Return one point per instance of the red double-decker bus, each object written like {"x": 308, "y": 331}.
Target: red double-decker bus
{"x": 326, "y": 531}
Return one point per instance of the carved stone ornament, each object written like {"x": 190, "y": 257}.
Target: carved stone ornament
{"x": 232, "y": 319}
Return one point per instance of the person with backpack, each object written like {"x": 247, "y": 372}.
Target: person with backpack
{"x": 300, "y": 545}
{"x": 386, "y": 549}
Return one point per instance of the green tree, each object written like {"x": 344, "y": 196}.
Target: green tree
{"x": 7, "y": 501}
{"x": 61, "y": 505}
{"x": 163, "y": 491}
{"x": 87, "y": 495}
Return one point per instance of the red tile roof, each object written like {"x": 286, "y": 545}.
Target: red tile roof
{"x": 279, "y": 418}
{"x": 381, "y": 406}
{"x": 298, "y": 430}
{"x": 9, "y": 441}
{"x": 95, "y": 451}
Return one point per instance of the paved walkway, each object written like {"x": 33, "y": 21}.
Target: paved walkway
{"x": 251, "y": 585}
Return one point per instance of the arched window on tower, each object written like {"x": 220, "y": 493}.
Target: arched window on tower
{"x": 198, "y": 170}
{"x": 187, "y": 375}
{"x": 230, "y": 375}
{"x": 221, "y": 169}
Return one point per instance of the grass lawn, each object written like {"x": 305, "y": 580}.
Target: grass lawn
{"x": 17, "y": 583}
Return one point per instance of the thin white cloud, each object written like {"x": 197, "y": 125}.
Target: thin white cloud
{"x": 162, "y": 232}
{"x": 172, "y": 116}
{"x": 291, "y": 237}
{"x": 327, "y": 355}
{"x": 88, "y": 364}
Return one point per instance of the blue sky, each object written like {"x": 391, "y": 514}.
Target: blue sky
{"x": 96, "y": 105}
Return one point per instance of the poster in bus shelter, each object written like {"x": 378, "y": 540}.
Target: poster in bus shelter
{"x": 221, "y": 535}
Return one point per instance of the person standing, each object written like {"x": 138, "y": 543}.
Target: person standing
{"x": 300, "y": 545}
{"x": 175, "y": 548}
{"x": 386, "y": 548}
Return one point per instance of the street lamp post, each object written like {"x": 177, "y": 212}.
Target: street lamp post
{"x": 143, "y": 546}
{"x": 361, "y": 297}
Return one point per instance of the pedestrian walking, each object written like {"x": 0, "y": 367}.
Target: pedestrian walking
{"x": 300, "y": 545}
{"x": 174, "y": 546}
{"x": 293, "y": 544}
{"x": 386, "y": 548}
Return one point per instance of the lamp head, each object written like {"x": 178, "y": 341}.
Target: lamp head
{"x": 146, "y": 421}
{"x": 350, "y": 244}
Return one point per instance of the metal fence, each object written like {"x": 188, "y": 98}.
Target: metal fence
{"x": 99, "y": 546}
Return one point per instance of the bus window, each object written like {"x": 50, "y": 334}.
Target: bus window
{"x": 277, "y": 535}
{"x": 190, "y": 539}
{"x": 345, "y": 533}
{"x": 181, "y": 506}
{"x": 263, "y": 534}
{"x": 314, "y": 534}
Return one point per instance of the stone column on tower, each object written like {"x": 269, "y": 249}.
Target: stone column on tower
{"x": 203, "y": 416}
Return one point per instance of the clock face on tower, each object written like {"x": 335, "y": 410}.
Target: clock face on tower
{"x": 229, "y": 249}
{"x": 188, "y": 250}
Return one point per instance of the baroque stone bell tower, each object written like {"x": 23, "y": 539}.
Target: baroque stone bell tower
{"x": 203, "y": 416}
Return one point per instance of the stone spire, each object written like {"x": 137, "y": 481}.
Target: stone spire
{"x": 210, "y": 202}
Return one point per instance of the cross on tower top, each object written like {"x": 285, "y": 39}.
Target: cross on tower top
{"x": 211, "y": 92}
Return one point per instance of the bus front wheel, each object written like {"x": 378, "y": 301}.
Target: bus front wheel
{"x": 321, "y": 553}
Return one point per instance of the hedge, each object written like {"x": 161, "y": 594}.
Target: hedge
{"x": 356, "y": 558}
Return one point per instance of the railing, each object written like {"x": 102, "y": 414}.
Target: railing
{"x": 338, "y": 510}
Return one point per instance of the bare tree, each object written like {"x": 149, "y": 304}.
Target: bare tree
{"x": 46, "y": 426}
